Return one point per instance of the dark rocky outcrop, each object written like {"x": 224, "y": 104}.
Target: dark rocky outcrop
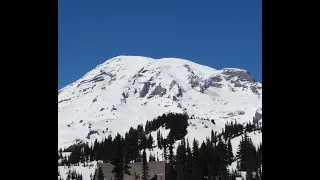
{"x": 241, "y": 75}
{"x": 160, "y": 91}
{"x": 145, "y": 89}
{"x": 113, "y": 108}
{"x": 257, "y": 117}
{"x": 255, "y": 89}
{"x": 213, "y": 82}
{"x": 92, "y": 132}
{"x": 64, "y": 100}
{"x": 99, "y": 77}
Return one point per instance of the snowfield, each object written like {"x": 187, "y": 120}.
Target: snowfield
{"x": 85, "y": 171}
{"x": 126, "y": 91}
{"x": 129, "y": 90}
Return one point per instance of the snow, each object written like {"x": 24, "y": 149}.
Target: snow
{"x": 85, "y": 171}
{"x": 256, "y": 138}
{"x": 87, "y": 106}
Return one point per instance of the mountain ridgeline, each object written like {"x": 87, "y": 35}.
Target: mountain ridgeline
{"x": 204, "y": 123}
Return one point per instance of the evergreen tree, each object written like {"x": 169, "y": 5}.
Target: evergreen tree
{"x": 171, "y": 164}
{"x": 246, "y": 155}
{"x": 249, "y": 175}
{"x": 259, "y": 155}
{"x": 181, "y": 161}
{"x": 210, "y": 157}
{"x": 230, "y": 153}
{"x": 68, "y": 175}
{"x": 100, "y": 174}
{"x": 239, "y": 156}
{"x": 94, "y": 175}
{"x": 152, "y": 158}
{"x": 221, "y": 160}
{"x": 145, "y": 167}
{"x": 213, "y": 138}
{"x": 144, "y": 142}
{"x": 259, "y": 162}
{"x": 189, "y": 164}
{"x": 165, "y": 155}
{"x": 119, "y": 161}
{"x": 150, "y": 142}
{"x": 196, "y": 170}
{"x": 204, "y": 161}
{"x": 159, "y": 139}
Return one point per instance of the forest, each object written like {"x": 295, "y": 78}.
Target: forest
{"x": 192, "y": 160}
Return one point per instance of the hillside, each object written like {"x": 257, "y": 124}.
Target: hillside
{"x": 127, "y": 91}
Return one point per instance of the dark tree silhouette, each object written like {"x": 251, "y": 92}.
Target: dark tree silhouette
{"x": 145, "y": 167}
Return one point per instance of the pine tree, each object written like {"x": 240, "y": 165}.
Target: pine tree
{"x": 240, "y": 158}
{"x": 259, "y": 155}
{"x": 119, "y": 161}
{"x": 165, "y": 154}
{"x": 246, "y": 155}
{"x": 150, "y": 142}
{"x": 249, "y": 175}
{"x": 100, "y": 174}
{"x": 68, "y": 175}
{"x": 145, "y": 167}
{"x": 181, "y": 161}
{"x": 259, "y": 162}
{"x": 171, "y": 164}
{"x": 213, "y": 138}
{"x": 210, "y": 156}
{"x": 204, "y": 159}
{"x": 94, "y": 175}
{"x": 144, "y": 142}
{"x": 230, "y": 153}
{"x": 196, "y": 170}
{"x": 159, "y": 139}
{"x": 189, "y": 165}
{"x": 221, "y": 161}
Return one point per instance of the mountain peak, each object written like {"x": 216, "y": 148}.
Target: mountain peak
{"x": 128, "y": 90}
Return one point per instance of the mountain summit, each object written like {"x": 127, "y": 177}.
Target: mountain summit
{"x": 126, "y": 91}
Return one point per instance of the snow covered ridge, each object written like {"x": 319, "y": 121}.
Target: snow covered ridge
{"x": 126, "y": 91}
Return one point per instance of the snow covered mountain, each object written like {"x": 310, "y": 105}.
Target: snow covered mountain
{"x": 129, "y": 90}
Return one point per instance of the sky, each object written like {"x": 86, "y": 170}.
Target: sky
{"x": 215, "y": 33}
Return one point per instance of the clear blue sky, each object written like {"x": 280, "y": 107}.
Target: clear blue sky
{"x": 216, "y": 33}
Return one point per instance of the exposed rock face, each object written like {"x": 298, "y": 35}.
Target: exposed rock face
{"x": 125, "y": 91}
{"x": 257, "y": 117}
{"x": 213, "y": 81}
{"x": 239, "y": 74}
{"x": 158, "y": 91}
{"x": 91, "y": 132}
{"x": 145, "y": 89}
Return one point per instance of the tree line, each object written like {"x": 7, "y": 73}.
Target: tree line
{"x": 71, "y": 175}
{"x": 234, "y": 129}
{"x": 208, "y": 160}
{"x": 134, "y": 141}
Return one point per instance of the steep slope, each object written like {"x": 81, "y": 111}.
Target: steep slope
{"x": 129, "y": 90}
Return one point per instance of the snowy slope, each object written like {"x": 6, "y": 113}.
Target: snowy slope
{"x": 86, "y": 171}
{"x": 256, "y": 138}
{"x": 129, "y": 90}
